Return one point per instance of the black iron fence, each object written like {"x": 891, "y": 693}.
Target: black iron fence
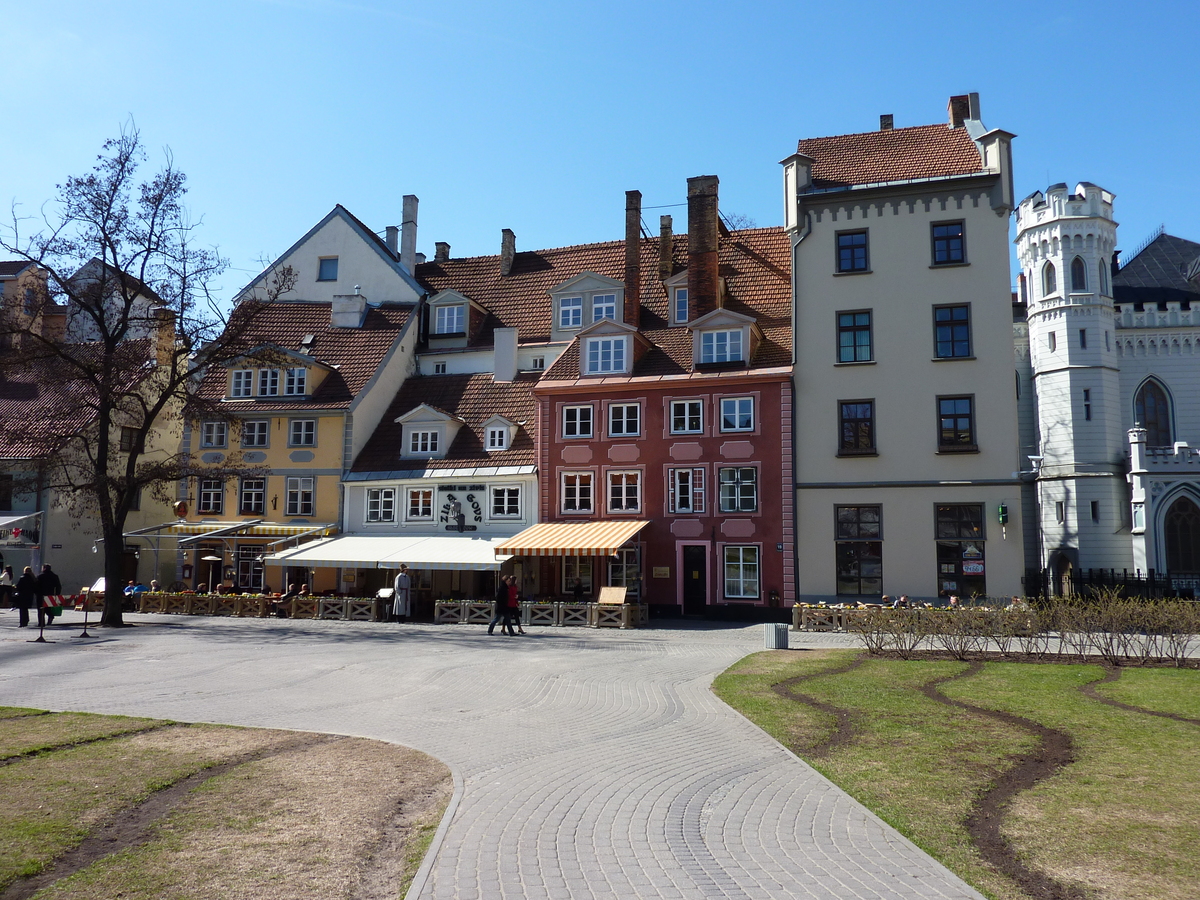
{"x": 1149, "y": 584}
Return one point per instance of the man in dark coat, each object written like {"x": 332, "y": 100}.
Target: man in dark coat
{"x": 48, "y": 585}
{"x": 27, "y": 598}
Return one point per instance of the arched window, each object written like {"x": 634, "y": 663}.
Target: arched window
{"x": 1049, "y": 280}
{"x": 1183, "y": 536}
{"x": 1153, "y": 413}
{"x": 1104, "y": 278}
{"x": 1078, "y": 275}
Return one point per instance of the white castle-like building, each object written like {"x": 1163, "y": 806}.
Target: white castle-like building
{"x": 1109, "y": 383}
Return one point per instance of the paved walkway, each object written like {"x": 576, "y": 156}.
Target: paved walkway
{"x": 588, "y": 764}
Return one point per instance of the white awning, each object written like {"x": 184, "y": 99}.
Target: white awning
{"x": 386, "y": 552}
{"x": 8, "y": 520}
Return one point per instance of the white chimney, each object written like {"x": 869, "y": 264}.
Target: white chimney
{"x": 348, "y": 311}
{"x": 504, "y": 357}
{"x": 408, "y": 233}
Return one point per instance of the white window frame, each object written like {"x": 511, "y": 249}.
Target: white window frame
{"x": 625, "y": 570}
{"x": 538, "y": 363}
{"x": 253, "y": 489}
{"x": 268, "y": 382}
{"x": 381, "y": 505}
{"x": 738, "y": 403}
{"x": 740, "y": 492}
{"x": 688, "y": 413}
{"x": 679, "y": 305}
{"x": 210, "y": 497}
{"x": 742, "y": 570}
{"x": 295, "y": 384}
{"x": 579, "y": 487}
{"x": 576, "y": 428}
{"x": 423, "y": 441}
{"x": 603, "y": 305}
{"x": 450, "y": 319}
{"x": 497, "y": 438}
{"x": 605, "y": 355}
{"x": 625, "y": 420}
{"x": 628, "y": 483}
{"x": 302, "y": 433}
{"x": 570, "y": 313}
{"x": 576, "y": 567}
{"x": 686, "y": 490}
{"x": 214, "y": 434}
{"x": 439, "y": 368}
{"x": 261, "y": 429}
{"x": 300, "y": 496}
{"x": 505, "y": 502}
{"x": 721, "y": 346}
{"x": 241, "y": 383}
{"x": 418, "y": 505}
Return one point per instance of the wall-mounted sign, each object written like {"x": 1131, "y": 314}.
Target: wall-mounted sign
{"x": 660, "y": 572}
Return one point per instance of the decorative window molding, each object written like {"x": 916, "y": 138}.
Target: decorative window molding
{"x": 302, "y": 433}
{"x": 577, "y": 493}
{"x": 577, "y": 422}
{"x": 738, "y": 487}
{"x": 625, "y": 420}
{"x": 214, "y": 434}
{"x": 300, "y": 496}
{"x": 624, "y": 491}
{"x": 737, "y": 414}
{"x": 256, "y": 433}
{"x": 687, "y": 417}
{"x": 420, "y": 505}
{"x": 381, "y": 505}
{"x": 210, "y": 498}
{"x": 685, "y": 490}
{"x": 252, "y": 497}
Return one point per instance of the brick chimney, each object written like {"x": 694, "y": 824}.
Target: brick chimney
{"x": 393, "y": 240}
{"x": 703, "y": 274}
{"x": 408, "y": 233}
{"x": 633, "y": 257}
{"x": 666, "y": 258}
{"x": 959, "y": 109}
{"x": 441, "y": 251}
{"x": 885, "y": 122}
{"x": 508, "y": 250}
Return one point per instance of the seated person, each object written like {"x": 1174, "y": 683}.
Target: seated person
{"x": 284, "y": 604}
{"x": 154, "y": 586}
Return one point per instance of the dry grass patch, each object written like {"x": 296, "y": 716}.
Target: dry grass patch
{"x": 22, "y": 735}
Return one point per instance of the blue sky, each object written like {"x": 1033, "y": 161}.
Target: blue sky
{"x": 539, "y": 116}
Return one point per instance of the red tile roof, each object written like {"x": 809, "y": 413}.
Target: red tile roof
{"x": 355, "y": 352}
{"x": 926, "y": 151}
{"x": 472, "y": 398}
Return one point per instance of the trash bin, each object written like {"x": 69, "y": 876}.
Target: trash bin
{"x": 776, "y": 635}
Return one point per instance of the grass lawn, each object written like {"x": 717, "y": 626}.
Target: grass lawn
{"x": 1121, "y": 821}
{"x": 267, "y": 814}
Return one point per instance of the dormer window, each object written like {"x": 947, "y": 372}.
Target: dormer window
{"x": 605, "y": 355}
{"x": 497, "y": 438}
{"x": 294, "y": 385}
{"x": 721, "y": 346}
{"x": 423, "y": 442}
{"x": 429, "y": 432}
{"x": 679, "y": 306}
{"x": 241, "y": 383}
{"x": 450, "y": 320}
{"x": 268, "y": 382}
{"x": 327, "y": 269}
{"x": 604, "y": 306}
{"x": 570, "y": 312}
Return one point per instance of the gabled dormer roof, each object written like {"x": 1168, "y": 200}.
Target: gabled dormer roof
{"x": 425, "y": 412}
{"x": 587, "y": 281}
{"x": 275, "y": 352}
{"x": 608, "y": 326}
{"x": 721, "y": 317}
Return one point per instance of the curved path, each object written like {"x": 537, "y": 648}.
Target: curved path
{"x": 589, "y": 764}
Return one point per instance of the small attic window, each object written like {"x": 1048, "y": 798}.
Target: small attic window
{"x": 327, "y": 269}
{"x": 307, "y": 342}
{"x": 497, "y": 437}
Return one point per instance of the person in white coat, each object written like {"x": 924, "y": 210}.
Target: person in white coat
{"x": 402, "y": 595}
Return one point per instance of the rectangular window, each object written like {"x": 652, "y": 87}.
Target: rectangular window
{"x": 295, "y": 383}
{"x": 686, "y": 490}
{"x": 1052, "y": 341}
{"x": 268, "y": 382}
{"x": 1087, "y": 404}
{"x": 381, "y": 504}
{"x": 952, "y": 332}
{"x": 420, "y": 503}
{"x": 625, "y": 570}
{"x": 686, "y": 417}
{"x": 506, "y": 502}
{"x": 577, "y": 568}
{"x": 624, "y": 420}
{"x": 253, "y": 496}
{"x": 604, "y": 306}
{"x": 1060, "y": 511}
{"x": 624, "y": 491}
{"x": 211, "y": 498}
{"x": 577, "y": 492}
{"x": 960, "y": 547}
{"x": 570, "y": 312}
{"x": 538, "y": 363}
{"x": 859, "y": 550}
{"x": 739, "y": 489}
{"x": 956, "y": 423}
{"x": 1095, "y": 510}
{"x": 255, "y": 433}
{"x": 605, "y": 355}
{"x": 1082, "y": 338}
{"x": 741, "y": 573}
{"x": 681, "y": 305}
{"x": 577, "y": 421}
{"x": 854, "y": 337}
{"x": 128, "y": 439}
{"x": 439, "y": 368}
{"x": 852, "y": 251}
{"x": 449, "y": 320}
{"x": 241, "y": 383}
{"x": 302, "y": 433}
{"x": 857, "y": 424}
{"x": 737, "y": 413}
{"x": 948, "y": 246}
{"x": 721, "y": 346}
{"x": 214, "y": 434}
{"x": 327, "y": 269}
{"x": 300, "y": 496}
{"x": 423, "y": 442}
{"x": 497, "y": 438}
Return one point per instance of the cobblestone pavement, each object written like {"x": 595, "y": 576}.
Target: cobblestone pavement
{"x": 588, "y": 763}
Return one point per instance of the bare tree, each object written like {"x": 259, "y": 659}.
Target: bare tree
{"x": 113, "y": 339}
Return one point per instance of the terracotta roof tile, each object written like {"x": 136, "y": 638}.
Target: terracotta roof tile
{"x": 925, "y": 151}
{"x": 472, "y": 398}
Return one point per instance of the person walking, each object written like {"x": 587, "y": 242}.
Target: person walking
{"x": 48, "y": 585}
{"x": 26, "y": 590}
{"x": 514, "y": 605}
{"x": 7, "y": 600}
{"x": 402, "y": 595}
{"x": 500, "y": 614}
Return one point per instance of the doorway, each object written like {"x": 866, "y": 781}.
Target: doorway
{"x": 695, "y": 580}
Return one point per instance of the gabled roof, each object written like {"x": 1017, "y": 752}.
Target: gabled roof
{"x": 369, "y": 237}
{"x": 1158, "y": 273}
{"x": 898, "y": 154}
{"x": 476, "y": 399}
{"x": 13, "y": 268}
{"x": 353, "y": 353}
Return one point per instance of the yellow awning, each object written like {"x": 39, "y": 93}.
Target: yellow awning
{"x": 571, "y": 538}
{"x": 248, "y": 530}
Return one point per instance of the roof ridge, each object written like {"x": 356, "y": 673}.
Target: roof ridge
{"x": 829, "y": 137}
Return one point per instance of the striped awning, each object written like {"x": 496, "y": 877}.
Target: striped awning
{"x": 247, "y": 529}
{"x": 571, "y": 538}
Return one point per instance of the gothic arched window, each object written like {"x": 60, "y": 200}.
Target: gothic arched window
{"x": 1078, "y": 275}
{"x": 1153, "y": 412}
{"x": 1183, "y": 536}
{"x": 1103, "y": 278}
{"x": 1049, "y": 280}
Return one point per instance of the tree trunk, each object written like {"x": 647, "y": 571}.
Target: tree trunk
{"x": 114, "y": 587}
